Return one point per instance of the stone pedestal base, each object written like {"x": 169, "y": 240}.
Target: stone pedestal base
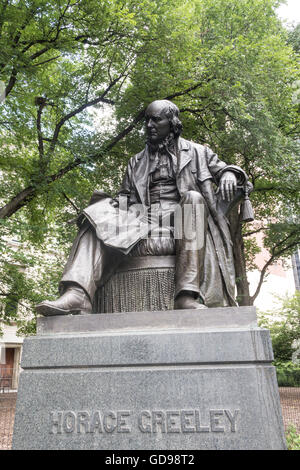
{"x": 150, "y": 380}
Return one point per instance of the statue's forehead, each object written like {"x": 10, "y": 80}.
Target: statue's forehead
{"x": 157, "y": 108}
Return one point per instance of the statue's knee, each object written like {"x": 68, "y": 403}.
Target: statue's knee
{"x": 193, "y": 197}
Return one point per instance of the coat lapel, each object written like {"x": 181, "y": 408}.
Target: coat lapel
{"x": 140, "y": 176}
{"x": 141, "y": 170}
{"x": 184, "y": 156}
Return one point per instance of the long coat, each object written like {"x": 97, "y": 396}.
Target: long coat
{"x": 198, "y": 169}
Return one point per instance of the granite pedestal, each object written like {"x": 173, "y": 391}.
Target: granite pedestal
{"x": 149, "y": 380}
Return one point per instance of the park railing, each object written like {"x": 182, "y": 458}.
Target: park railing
{"x": 6, "y": 378}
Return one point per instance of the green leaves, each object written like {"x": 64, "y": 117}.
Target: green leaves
{"x": 284, "y": 325}
{"x": 79, "y": 74}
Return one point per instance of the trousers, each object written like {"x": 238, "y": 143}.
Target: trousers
{"x": 91, "y": 263}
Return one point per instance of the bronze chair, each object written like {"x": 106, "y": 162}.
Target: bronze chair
{"x": 150, "y": 267}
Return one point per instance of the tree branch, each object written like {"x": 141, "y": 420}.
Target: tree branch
{"x": 275, "y": 255}
{"x": 71, "y": 202}
{"x": 248, "y": 234}
{"x": 275, "y": 187}
{"x": 41, "y": 103}
{"x": 46, "y": 61}
{"x": 79, "y": 110}
{"x": 16, "y": 41}
{"x": 11, "y": 83}
{"x": 187, "y": 90}
{"x": 17, "y": 202}
{"x": 30, "y": 192}
{"x": 38, "y": 53}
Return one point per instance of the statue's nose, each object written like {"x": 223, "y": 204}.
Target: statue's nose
{"x": 150, "y": 123}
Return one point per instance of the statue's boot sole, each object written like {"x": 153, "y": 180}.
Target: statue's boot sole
{"x": 190, "y": 307}
{"x": 49, "y": 310}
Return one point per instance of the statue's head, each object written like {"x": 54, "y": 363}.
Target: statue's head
{"x": 162, "y": 120}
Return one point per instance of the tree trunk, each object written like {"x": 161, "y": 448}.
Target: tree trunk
{"x": 17, "y": 202}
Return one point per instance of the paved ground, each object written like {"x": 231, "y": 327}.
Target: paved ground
{"x": 290, "y": 405}
{"x": 289, "y": 399}
{"x": 7, "y": 415}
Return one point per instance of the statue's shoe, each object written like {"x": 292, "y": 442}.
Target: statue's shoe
{"x": 73, "y": 301}
{"x": 185, "y": 302}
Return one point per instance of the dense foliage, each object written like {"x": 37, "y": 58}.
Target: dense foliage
{"x": 284, "y": 326}
{"x": 77, "y": 76}
{"x": 292, "y": 438}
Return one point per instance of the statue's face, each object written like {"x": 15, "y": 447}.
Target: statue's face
{"x": 157, "y": 124}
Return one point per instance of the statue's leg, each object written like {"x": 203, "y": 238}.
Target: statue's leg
{"x": 190, "y": 234}
{"x": 89, "y": 265}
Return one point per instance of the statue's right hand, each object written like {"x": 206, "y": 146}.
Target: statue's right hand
{"x": 114, "y": 203}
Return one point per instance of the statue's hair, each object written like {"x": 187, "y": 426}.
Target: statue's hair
{"x": 172, "y": 112}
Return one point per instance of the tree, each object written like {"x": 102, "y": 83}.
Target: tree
{"x": 68, "y": 64}
{"x": 284, "y": 326}
{"x": 60, "y": 59}
{"x": 294, "y": 38}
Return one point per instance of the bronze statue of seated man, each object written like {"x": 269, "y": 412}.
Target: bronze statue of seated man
{"x": 170, "y": 180}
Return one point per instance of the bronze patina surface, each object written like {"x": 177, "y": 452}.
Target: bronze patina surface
{"x": 173, "y": 200}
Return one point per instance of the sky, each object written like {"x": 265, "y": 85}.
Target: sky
{"x": 290, "y": 12}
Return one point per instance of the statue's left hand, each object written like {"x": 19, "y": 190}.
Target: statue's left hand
{"x": 228, "y": 184}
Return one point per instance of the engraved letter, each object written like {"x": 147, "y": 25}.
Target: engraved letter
{"x": 69, "y": 421}
{"x": 158, "y": 419}
{"x": 121, "y": 421}
{"x": 232, "y": 418}
{"x": 144, "y": 427}
{"x": 109, "y": 427}
{"x": 214, "y": 421}
{"x": 186, "y": 425}
{"x": 96, "y": 422}
{"x": 83, "y": 419}
{"x": 171, "y": 421}
{"x": 200, "y": 428}
{"x": 56, "y": 421}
